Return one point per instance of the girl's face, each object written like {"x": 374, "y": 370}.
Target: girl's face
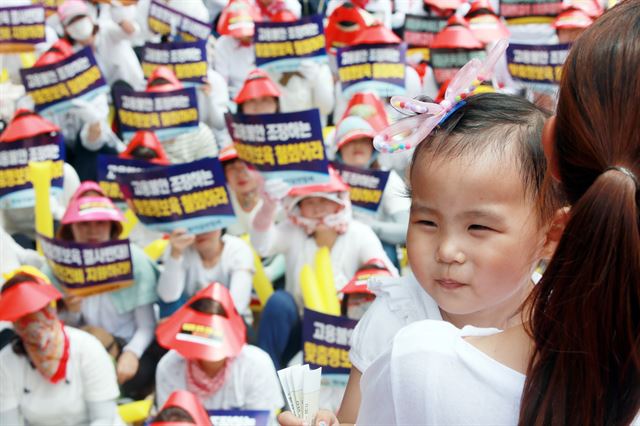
{"x": 97, "y": 231}
{"x": 262, "y": 105}
{"x": 318, "y": 207}
{"x": 474, "y": 238}
{"x": 239, "y": 177}
{"x": 358, "y": 152}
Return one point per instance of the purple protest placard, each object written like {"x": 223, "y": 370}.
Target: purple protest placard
{"x": 163, "y": 19}
{"x": 168, "y": 114}
{"x": 286, "y": 146}
{"x": 239, "y": 417}
{"x": 88, "y": 269}
{"x": 109, "y": 166}
{"x": 16, "y": 189}
{"x": 21, "y": 28}
{"x": 516, "y": 9}
{"x": 538, "y": 66}
{"x": 280, "y": 46}
{"x": 187, "y": 60}
{"x": 447, "y": 62}
{"x": 52, "y": 87}
{"x": 326, "y": 341}
{"x": 419, "y": 31}
{"x": 365, "y": 186}
{"x": 191, "y": 196}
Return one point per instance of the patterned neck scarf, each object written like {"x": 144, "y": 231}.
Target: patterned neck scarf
{"x": 46, "y": 343}
{"x": 201, "y": 384}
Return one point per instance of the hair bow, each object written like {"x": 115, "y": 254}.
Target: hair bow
{"x": 427, "y": 115}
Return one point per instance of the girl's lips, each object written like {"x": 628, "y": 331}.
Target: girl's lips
{"x": 450, "y": 284}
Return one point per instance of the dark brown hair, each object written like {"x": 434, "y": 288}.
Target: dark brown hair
{"x": 585, "y": 317}
{"x": 174, "y": 414}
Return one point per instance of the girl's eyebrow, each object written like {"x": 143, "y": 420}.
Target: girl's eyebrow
{"x": 485, "y": 214}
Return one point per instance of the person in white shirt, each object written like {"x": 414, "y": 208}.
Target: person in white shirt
{"x": 210, "y": 358}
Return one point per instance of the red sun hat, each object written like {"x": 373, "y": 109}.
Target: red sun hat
{"x": 369, "y": 106}
{"x": 198, "y": 335}
{"x": 484, "y": 23}
{"x": 26, "y": 124}
{"x": 146, "y": 139}
{"x": 58, "y": 51}
{"x": 335, "y": 184}
{"x": 445, "y": 4}
{"x": 189, "y": 403}
{"x": 572, "y": 19}
{"x": 374, "y": 34}
{"x": 163, "y": 73}
{"x": 20, "y": 299}
{"x": 238, "y": 19}
{"x": 359, "y": 282}
{"x": 228, "y": 153}
{"x": 344, "y": 23}
{"x": 257, "y": 85}
{"x": 456, "y": 35}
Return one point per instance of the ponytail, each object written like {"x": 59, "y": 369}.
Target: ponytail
{"x": 585, "y": 316}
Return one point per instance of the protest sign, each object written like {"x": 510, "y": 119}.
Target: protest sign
{"x": 280, "y": 46}
{"x": 53, "y": 87}
{"x": 16, "y": 188}
{"x": 191, "y": 196}
{"x": 21, "y": 28}
{"x": 165, "y": 20}
{"x": 419, "y": 31}
{"x": 168, "y": 114}
{"x": 539, "y": 67}
{"x": 88, "y": 269}
{"x": 109, "y": 166}
{"x": 527, "y": 11}
{"x": 365, "y": 186}
{"x": 379, "y": 68}
{"x": 447, "y": 62}
{"x": 286, "y": 146}
{"x": 239, "y": 417}
{"x": 187, "y": 60}
{"x": 327, "y": 340}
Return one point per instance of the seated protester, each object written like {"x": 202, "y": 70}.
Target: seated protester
{"x": 52, "y": 374}
{"x": 234, "y": 55}
{"x": 259, "y": 95}
{"x": 26, "y": 125}
{"x": 187, "y": 147}
{"x": 354, "y": 147}
{"x": 210, "y": 358}
{"x": 181, "y": 409}
{"x": 193, "y": 261}
{"x": 357, "y": 297}
{"x": 126, "y": 313}
{"x": 319, "y": 215}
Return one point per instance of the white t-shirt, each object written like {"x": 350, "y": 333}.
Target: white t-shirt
{"x": 432, "y": 376}
{"x": 234, "y": 62}
{"x": 252, "y": 384}
{"x": 91, "y": 377}
{"x": 399, "y": 301}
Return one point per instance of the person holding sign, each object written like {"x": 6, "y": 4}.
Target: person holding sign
{"x": 52, "y": 374}
{"x": 259, "y": 95}
{"x": 319, "y": 215}
{"x": 210, "y": 358}
{"x": 127, "y": 313}
{"x": 354, "y": 147}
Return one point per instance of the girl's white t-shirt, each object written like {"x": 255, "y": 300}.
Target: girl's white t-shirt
{"x": 252, "y": 383}
{"x": 91, "y": 377}
{"x": 399, "y": 301}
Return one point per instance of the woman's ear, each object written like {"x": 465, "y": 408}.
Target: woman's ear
{"x": 549, "y": 147}
{"x": 555, "y": 231}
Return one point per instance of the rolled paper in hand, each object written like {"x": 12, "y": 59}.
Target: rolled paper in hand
{"x": 311, "y": 294}
{"x": 326, "y": 284}
{"x": 40, "y": 173}
{"x": 131, "y": 220}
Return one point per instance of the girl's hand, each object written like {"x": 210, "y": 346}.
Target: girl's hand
{"x": 179, "y": 241}
{"x": 323, "y": 418}
{"x": 127, "y": 366}
{"x": 73, "y": 304}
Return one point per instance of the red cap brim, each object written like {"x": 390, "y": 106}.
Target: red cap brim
{"x": 25, "y": 298}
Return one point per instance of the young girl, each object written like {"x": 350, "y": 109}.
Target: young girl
{"x": 579, "y": 345}
{"x": 319, "y": 215}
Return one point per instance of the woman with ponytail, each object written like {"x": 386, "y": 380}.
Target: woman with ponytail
{"x": 575, "y": 359}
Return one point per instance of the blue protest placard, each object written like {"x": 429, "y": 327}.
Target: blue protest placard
{"x": 326, "y": 341}
{"x": 537, "y": 66}
{"x": 168, "y": 114}
{"x": 21, "y": 28}
{"x": 528, "y": 9}
{"x": 191, "y": 196}
{"x": 187, "y": 60}
{"x": 16, "y": 189}
{"x": 88, "y": 269}
{"x": 419, "y": 31}
{"x": 280, "y": 46}
{"x": 239, "y": 417}
{"x": 286, "y": 146}
{"x": 378, "y": 68}
{"x": 109, "y": 166}
{"x": 365, "y": 186}
{"x": 163, "y": 19}
{"x": 52, "y": 87}
{"x": 446, "y": 62}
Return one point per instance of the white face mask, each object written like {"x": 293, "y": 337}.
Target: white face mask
{"x": 81, "y": 30}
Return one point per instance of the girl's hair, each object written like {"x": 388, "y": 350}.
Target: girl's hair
{"x": 144, "y": 153}
{"x": 585, "y": 317}
{"x": 496, "y": 122}
{"x": 174, "y": 414}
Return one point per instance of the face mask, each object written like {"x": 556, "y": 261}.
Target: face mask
{"x": 81, "y": 29}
